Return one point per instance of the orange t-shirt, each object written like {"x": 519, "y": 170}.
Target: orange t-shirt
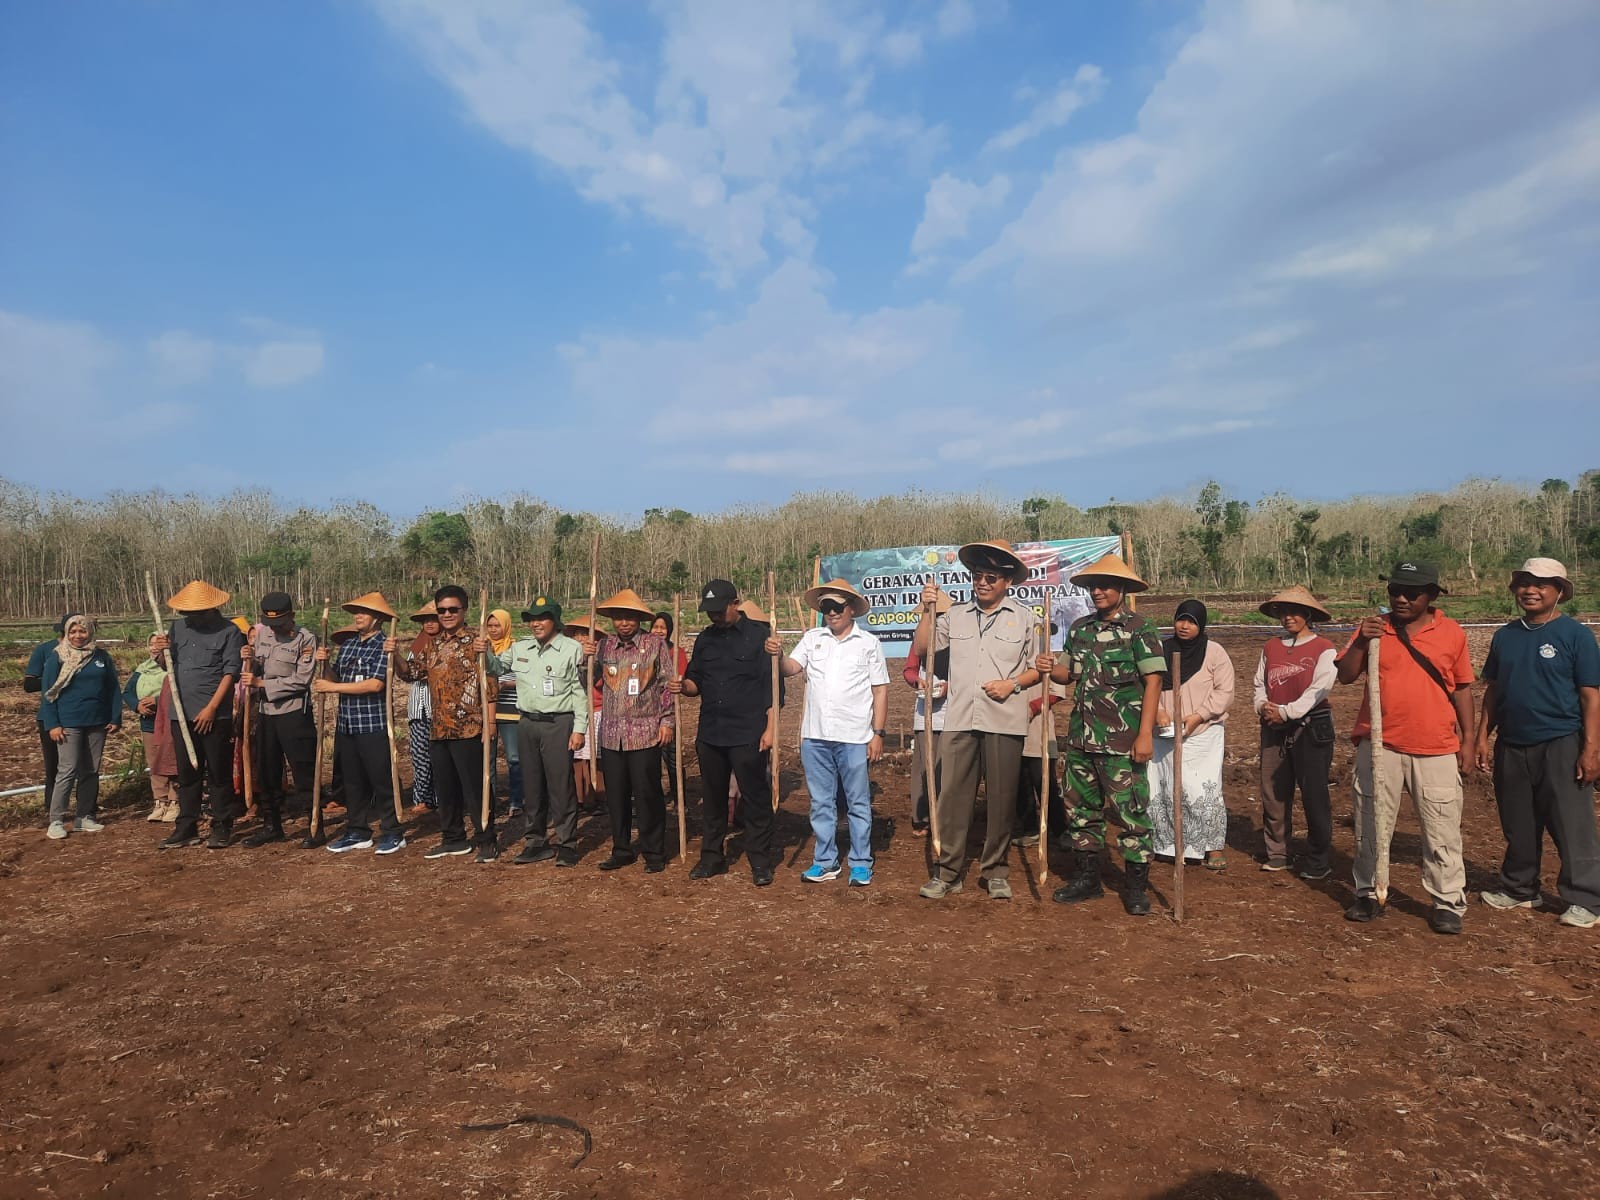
{"x": 1418, "y": 718}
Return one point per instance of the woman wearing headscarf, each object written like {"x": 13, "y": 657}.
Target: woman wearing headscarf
{"x": 80, "y": 703}
{"x": 1205, "y": 683}
{"x": 501, "y": 635}
{"x": 419, "y": 715}
{"x": 145, "y": 693}
{"x": 661, "y": 626}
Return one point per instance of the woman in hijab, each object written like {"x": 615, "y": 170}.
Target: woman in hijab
{"x": 661, "y": 626}
{"x": 80, "y": 703}
{"x": 1206, "y": 686}
{"x": 501, "y": 635}
{"x": 419, "y": 715}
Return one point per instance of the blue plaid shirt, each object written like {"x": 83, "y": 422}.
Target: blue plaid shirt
{"x": 359, "y": 660}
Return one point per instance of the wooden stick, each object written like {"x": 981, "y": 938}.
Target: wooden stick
{"x": 249, "y": 656}
{"x": 1177, "y": 788}
{"x": 1046, "y": 761}
{"x": 1131, "y": 598}
{"x": 677, "y": 738}
{"x": 487, "y": 708}
{"x": 777, "y": 714}
{"x": 172, "y": 671}
{"x": 1380, "y": 874}
{"x": 314, "y": 830}
{"x": 388, "y": 722}
{"x": 588, "y": 694}
{"x": 927, "y": 731}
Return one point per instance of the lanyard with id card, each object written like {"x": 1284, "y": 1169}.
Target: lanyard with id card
{"x": 549, "y": 683}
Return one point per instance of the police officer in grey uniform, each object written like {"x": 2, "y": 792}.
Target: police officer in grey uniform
{"x": 279, "y": 667}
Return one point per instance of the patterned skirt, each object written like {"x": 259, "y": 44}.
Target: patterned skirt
{"x": 1205, "y": 816}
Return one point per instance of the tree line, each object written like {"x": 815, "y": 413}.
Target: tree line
{"x": 60, "y": 552}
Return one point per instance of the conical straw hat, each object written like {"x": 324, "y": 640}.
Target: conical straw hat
{"x": 855, "y": 600}
{"x": 197, "y": 596}
{"x": 626, "y": 603}
{"x": 581, "y": 624}
{"x": 997, "y": 550}
{"x": 1299, "y": 596}
{"x": 752, "y": 611}
{"x": 426, "y": 612}
{"x": 372, "y": 602}
{"x": 1113, "y": 568}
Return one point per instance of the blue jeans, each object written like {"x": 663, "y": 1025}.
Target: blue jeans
{"x": 513, "y": 763}
{"x": 832, "y": 767}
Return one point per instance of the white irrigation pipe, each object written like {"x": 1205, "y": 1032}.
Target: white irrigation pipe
{"x": 38, "y": 787}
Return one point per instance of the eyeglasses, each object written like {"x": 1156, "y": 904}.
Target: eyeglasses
{"x": 1399, "y": 591}
{"x": 988, "y": 577}
{"x": 455, "y": 609}
{"x": 830, "y": 608}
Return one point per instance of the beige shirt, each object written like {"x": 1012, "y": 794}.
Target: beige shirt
{"x": 1208, "y": 691}
{"x": 999, "y": 644}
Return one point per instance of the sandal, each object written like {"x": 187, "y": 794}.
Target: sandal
{"x": 1216, "y": 862}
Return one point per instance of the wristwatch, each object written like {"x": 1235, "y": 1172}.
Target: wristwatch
{"x": 1016, "y": 687}
{"x": 878, "y": 733}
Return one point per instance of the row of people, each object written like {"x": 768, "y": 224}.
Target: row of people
{"x": 1543, "y": 671}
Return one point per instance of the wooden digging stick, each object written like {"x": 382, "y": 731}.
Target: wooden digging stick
{"x": 1381, "y": 829}
{"x": 172, "y": 672}
{"x": 588, "y": 692}
{"x": 486, "y": 706}
{"x": 314, "y": 829}
{"x": 777, "y": 714}
{"x": 249, "y": 656}
{"x": 927, "y": 732}
{"x": 1132, "y": 598}
{"x": 388, "y": 722}
{"x": 677, "y": 739}
{"x": 1046, "y": 762}
{"x": 1177, "y": 788}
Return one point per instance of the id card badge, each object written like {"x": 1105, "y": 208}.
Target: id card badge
{"x": 633, "y": 685}
{"x": 549, "y": 686}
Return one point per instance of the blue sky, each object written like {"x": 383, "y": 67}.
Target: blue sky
{"x": 698, "y": 253}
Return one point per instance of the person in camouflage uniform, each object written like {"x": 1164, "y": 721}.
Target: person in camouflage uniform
{"x": 1115, "y": 657}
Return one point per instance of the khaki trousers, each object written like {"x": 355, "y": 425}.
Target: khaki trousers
{"x": 964, "y": 756}
{"x": 1434, "y": 782}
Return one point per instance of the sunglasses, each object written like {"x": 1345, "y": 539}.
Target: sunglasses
{"x": 1403, "y": 592}
{"x": 989, "y": 577}
{"x": 455, "y": 609}
{"x": 830, "y": 608}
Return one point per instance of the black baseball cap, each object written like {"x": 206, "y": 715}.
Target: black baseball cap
{"x": 542, "y": 607}
{"x": 1415, "y": 573}
{"x": 277, "y": 606}
{"x": 717, "y": 595}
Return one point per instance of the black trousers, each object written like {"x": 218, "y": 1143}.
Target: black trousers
{"x": 747, "y": 764}
{"x": 1536, "y": 789}
{"x": 368, "y": 791}
{"x": 52, "y": 761}
{"x": 1029, "y": 781}
{"x": 280, "y": 737}
{"x": 1290, "y": 759}
{"x": 458, "y": 783}
{"x": 633, "y": 784}
{"x": 549, "y": 798}
{"x": 215, "y": 750}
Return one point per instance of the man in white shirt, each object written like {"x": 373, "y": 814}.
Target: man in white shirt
{"x": 847, "y": 703}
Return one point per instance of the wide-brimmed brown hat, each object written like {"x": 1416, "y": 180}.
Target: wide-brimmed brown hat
{"x": 426, "y": 613}
{"x": 198, "y": 596}
{"x": 626, "y": 603}
{"x": 838, "y": 589}
{"x": 752, "y": 611}
{"x": 1544, "y": 568}
{"x": 993, "y": 556}
{"x": 1299, "y": 597}
{"x": 1112, "y": 568}
{"x": 372, "y": 602}
{"x": 578, "y": 623}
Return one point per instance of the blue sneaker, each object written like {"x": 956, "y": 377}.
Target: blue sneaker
{"x": 349, "y": 840}
{"x": 817, "y": 873}
{"x": 390, "y": 842}
{"x": 860, "y": 876}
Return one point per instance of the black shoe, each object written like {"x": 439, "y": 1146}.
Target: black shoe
{"x": 1366, "y": 908}
{"x": 1136, "y": 901}
{"x": 566, "y": 857}
{"x": 1444, "y": 920}
{"x": 761, "y": 876}
{"x": 1313, "y": 872}
{"x": 654, "y": 866}
{"x": 531, "y": 855}
{"x": 617, "y": 862}
{"x": 488, "y": 852}
{"x": 177, "y": 840}
{"x": 265, "y": 836}
{"x": 312, "y": 841}
{"x": 1085, "y": 881}
{"x": 449, "y": 850}
{"x": 705, "y": 869}
{"x": 221, "y": 835}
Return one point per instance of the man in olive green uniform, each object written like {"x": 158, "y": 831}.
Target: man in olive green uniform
{"x": 1115, "y": 657}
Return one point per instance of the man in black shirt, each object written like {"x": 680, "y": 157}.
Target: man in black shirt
{"x": 731, "y": 671}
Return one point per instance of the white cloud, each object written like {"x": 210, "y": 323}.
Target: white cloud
{"x": 956, "y": 17}
{"x": 282, "y": 358}
{"x": 49, "y": 368}
{"x": 282, "y": 364}
{"x": 182, "y": 358}
{"x": 1087, "y": 84}
{"x": 949, "y": 208}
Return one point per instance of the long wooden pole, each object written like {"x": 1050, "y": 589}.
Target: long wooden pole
{"x": 172, "y": 671}
{"x": 246, "y": 751}
{"x": 1047, "y": 728}
{"x": 777, "y": 715}
{"x": 588, "y": 693}
{"x": 1383, "y": 817}
{"x": 1177, "y": 787}
{"x": 677, "y": 738}
{"x": 1127, "y": 557}
{"x": 487, "y": 708}
{"x": 932, "y": 615}
{"x": 388, "y": 722}
{"x": 314, "y": 829}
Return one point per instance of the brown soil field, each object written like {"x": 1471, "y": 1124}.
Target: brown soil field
{"x": 284, "y": 1022}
